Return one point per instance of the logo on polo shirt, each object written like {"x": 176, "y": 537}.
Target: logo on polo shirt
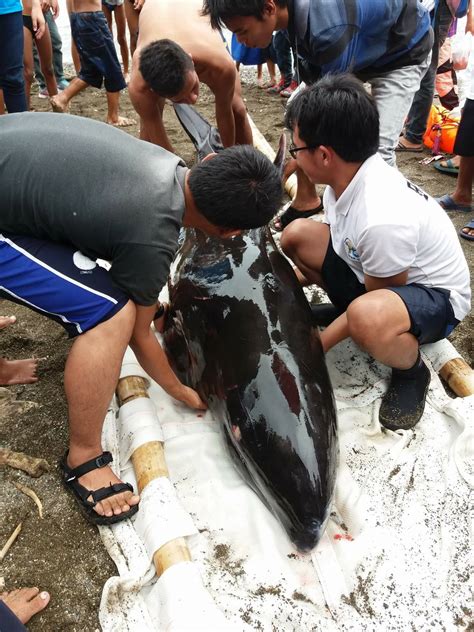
{"x": 82, "y": 262}
{"x": 351, "y": 250}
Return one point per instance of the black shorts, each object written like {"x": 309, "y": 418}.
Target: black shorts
{"x": 58, "y": 281}
{"x": 430, "y": 310}
{"x": 464, "y": 143}
{"x": 99, "y": 61}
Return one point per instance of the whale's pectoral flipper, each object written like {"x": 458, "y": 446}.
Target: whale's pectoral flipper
{"x": 203, "y": 135}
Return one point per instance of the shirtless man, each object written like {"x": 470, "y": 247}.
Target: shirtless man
{"x": 177, "y": 49}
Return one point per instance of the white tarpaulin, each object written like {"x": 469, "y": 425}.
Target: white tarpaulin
{"x": 396, "y": 552}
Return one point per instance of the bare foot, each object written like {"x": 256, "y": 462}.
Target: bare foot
{"x": 25, "y": 602}
{"x": 121, "y": 121}
{"x": 7, "y": 320}
{"x": 18, "y": 371}
{"x": 59, "y": 103}
{"x": 104, "y": 477}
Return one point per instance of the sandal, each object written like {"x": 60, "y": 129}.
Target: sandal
{"x": 469, "y": 226}
{"x": 81, "y": 493}
{"x": 401, "y": 148}
{"x": 447, "y": 166}
{"x": 281, "y": 221}
{"x": 449, "y": 204}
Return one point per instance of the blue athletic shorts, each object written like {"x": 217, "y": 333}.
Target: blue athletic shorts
{"x": 430, "y": 310}
{"x": 58, "y": 281}
{"x": 96, "y": 47}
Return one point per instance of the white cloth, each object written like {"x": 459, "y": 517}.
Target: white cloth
{"x": 395, "y": 555}
{"x": 382, "y": 225}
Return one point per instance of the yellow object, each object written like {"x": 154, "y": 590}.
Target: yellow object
{"x": 441, "y": 130}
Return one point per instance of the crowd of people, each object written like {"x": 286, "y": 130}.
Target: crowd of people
{"x": 387, "y": 253}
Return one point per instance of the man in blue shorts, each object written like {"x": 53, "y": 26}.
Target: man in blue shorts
{"x": 99, "y": 61}
{"x": 125, "y": 201}
{"x": 386, "y": 44}
{"x": 388, "y": 255}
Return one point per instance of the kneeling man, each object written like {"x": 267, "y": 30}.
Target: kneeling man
{"x": 125, "y": 201}
{"x": 388, "y": 256}
{"x": 177, "y": 49}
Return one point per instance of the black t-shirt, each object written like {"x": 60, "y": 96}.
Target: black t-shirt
{"x": 73, "y": 180}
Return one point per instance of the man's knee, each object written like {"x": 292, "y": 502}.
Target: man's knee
{"x": 297, "y": 234}
{"x": 239, "y": 110}
{"x": 369, "y": 320}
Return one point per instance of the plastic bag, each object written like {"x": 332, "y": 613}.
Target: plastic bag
{"x": 461, "y": 49}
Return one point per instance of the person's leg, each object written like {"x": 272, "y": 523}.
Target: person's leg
{"x": 113, "y": 117}
{"x": 393, "y": 93}
{"x": 90, "y": 378}
{"x": 463, "y": 192}
{"x": 306, "y": 242}
{"x": 24, "y": 603}
{"x": 28, "y": 65}
{"x": 60, "y": 102}
{"x": 120, "y": 22}
{"x": 283, "y": 57}
{"x": 56, "y": 43}
{"x": 423, "y": 99}
{"x": 132, "y": 21}
{"x": 16, "y": 371}
{"x": 2, "y": 103}
{"x": 243, "y": 131}
{"x": 74, "y": 52}
{"x": 271, "y": 71}
{"x": 11, "y": 62}
{"x": 45, "y": 52}
{"x": 108, "y": 16}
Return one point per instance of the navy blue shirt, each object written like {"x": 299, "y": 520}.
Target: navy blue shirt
{"x": 366, "y": 37}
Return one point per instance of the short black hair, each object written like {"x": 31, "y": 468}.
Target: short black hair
{"x": 239, "y": 188}
{"x": 337, "y": 112}
{"x": 221, "y": 10}
{"x": 164, "y": 65}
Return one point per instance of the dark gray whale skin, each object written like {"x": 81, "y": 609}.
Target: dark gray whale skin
{"x": 239, "y": 332}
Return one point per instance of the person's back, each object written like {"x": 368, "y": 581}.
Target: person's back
{"x": 364, "y": 37}
{"x": 176, "y": 50}
{"x": 181, "y": 22}
{"x": 130, "y": 194}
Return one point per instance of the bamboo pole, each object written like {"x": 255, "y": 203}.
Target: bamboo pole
{"x": 459, "y": 376}
{"x": 149, "y": 463}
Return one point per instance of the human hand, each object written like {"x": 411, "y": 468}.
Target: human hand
{"x": 138, "y": 5}
{"x": 38, "y": 20}
{"x": 55, "y": 8}
{"x": 188, "y": 396}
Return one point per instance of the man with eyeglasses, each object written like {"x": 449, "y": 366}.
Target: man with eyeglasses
{"x": 388, "y": 256}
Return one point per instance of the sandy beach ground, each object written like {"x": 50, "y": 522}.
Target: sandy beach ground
{"x": 62, "y": 553}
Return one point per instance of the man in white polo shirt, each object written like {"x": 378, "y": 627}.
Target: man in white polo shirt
{"x": 388, "y": 256}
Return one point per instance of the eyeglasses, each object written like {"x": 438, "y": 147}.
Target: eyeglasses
{"x": 293, "y": 150}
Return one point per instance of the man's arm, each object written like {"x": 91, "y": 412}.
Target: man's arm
{"x": 339, "y": 329}
{"x": 149, "y": 106}
{"x": 223, "y": 88}
{"x": 153, "y": 360}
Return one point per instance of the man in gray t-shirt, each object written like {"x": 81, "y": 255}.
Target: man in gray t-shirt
{"x": 73, "y": 190}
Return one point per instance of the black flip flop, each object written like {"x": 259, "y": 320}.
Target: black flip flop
{"x": 292, "y": 213}
{"x": 81, "y": 493}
